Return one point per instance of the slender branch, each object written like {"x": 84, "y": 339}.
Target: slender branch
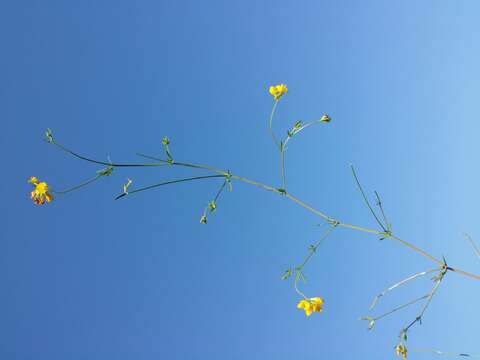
{"x": 401, "y": 307}
{"x": 314, "y": 248}
{"x": 475, "y": 248}
{"x": 167, "y": 183}
{"x": 85, "y": 183}
{"x": 220, "y": 190}
{"x": 275, "y": 190}
{"x": 366, "y": 199}
{"x": 282, "y": 154}
{"x": 404, "y": 281}
{"x": 380, "y": 205}
{"x": 270, "y": 124}
{"x": 427, "y": 304}
{"x": 444, "y": 353}
{"x": 297, "y": 277}
{"x": 101, "y": 162}
{"x": 302, "y": 128}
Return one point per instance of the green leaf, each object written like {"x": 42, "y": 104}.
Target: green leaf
{"x": 126, "y": 186}
{"x": 105, "y": 172}
{"x": 288, "y": 274}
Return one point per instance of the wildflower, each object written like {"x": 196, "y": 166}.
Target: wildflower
{"x": 278, "y": 91}
{"x": 401, "y": 350}
{"x": 326, "y": 118}
{"x": 311, "y": 305}
{"x": 40, "y": 194}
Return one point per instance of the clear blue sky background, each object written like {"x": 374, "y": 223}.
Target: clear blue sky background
{"x": 87, "y": 277}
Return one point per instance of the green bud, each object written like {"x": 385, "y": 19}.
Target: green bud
{"x": 371, "y": 321}
{"x": 326, "y": 118}
{"x": 212, "y": 205}
{"x": 49, "y": 136}
{"x": 298, "y": 124}
{"x": 165, "y": 141}
{"x": 203, "y": 219}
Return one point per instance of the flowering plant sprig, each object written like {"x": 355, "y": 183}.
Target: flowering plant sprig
{"x": 43, "y": 193}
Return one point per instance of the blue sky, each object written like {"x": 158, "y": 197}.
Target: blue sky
{"x": 87, "y": 277}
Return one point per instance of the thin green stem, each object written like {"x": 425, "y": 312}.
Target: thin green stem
{"x": 270, "y": 124}
{"x": 366, "y": 199}
{"x": 168, "y": 183}
{"x": 401, "y": 307}
{"x": 427, "y": 304}
{"x": 297, "y": 277}
{"x": 101, "y": 162}
{"x": 275, "y": 190}
{"x": 300, "y": 129}
{"x": 474, "y": 246}
{"x": 400, "y": 283}
{"x": 284, "y": 184}
{"x": 380, "y": 205}
{"x": 444, "y": 353}
{"x": 85, "y": 183}
{"x": 314, "y": 248}
{"x": 219, "y": 192}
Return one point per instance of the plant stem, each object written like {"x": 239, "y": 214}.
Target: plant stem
{"x": 366, "y": 199}
{"x": 401, "y": 307}
{"x": 168, "y": 183}
{"x": 270, "y": 124}
{"x": 404, "y": 281}
{"x": 275, "y": 190}
{"x": 85, "y": 183}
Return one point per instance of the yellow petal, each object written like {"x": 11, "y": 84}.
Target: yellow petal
{"x": 49, "y": 197}
{"x": 302, "y": 304}
{"x": 41, "y": 188}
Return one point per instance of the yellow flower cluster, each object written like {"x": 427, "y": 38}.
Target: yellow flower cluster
{"x": 311, "y": 305}
{"x": 40, "y": 194}
{"x": 278, "y": 91}
{"x": 401, "y": 350}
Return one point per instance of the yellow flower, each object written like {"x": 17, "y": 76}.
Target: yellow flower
{"x": 311, "y": 305}
{"x": 40, "y": 194}
{"x": 278, "y": 91}
{"x": 401, "y": 350}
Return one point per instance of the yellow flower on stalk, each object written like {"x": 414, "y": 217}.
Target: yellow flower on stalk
{"x": 311, "y": 305}
{"x": 278, "y": 91}
{"x": 40, "y": 194}
{"x": 401, "y": 350}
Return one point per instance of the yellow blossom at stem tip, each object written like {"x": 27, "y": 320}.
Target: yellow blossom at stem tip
{"x": 278, "y": 91}
{"x": 41, "y": 192}
{"x": 311, "y": 305}
{"x": 401, "y": 350}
